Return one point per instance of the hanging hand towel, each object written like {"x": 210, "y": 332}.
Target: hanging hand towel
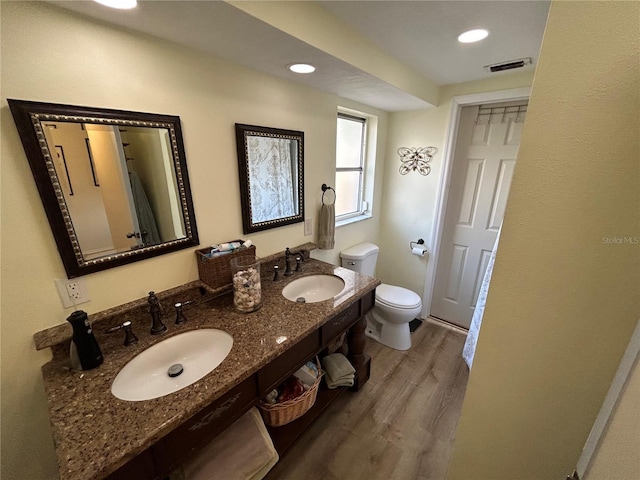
{"x": 244, "y": 451}
{"x": 327, "y": 227}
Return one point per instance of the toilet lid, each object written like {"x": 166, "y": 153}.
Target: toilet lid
{"x": 397, "y": 297}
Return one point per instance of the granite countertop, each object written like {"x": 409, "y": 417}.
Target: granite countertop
{"x": 95, "y": 433}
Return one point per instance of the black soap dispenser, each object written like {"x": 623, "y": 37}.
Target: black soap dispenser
{"x": 85, "y": 352}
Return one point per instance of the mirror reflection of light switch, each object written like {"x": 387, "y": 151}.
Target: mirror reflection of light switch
{"x": 308, "y": 226}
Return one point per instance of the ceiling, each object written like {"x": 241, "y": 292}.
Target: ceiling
{"x": 420, "y": 34}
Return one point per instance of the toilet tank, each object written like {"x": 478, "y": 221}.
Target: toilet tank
{"x": 361, "y": 258}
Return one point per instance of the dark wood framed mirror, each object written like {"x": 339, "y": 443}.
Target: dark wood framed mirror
{"x": 271, "y": 168}
{"x": 114, "y": 183}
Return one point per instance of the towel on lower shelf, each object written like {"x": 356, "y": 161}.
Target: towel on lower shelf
{"x": 244, "y": 451}
{"x": 339, "y": 372}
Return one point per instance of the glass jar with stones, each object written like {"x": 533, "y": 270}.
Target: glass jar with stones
{"x": 247, "y": 292}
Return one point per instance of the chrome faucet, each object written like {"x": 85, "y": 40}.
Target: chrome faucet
{"x": 155, "y": 309}
{"x": 287, "y": 260}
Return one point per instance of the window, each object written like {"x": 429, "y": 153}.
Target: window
{"x": 350, "y": 165}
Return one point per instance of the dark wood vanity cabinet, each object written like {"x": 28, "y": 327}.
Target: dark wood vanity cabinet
{"x": 279, "y": 369}
{"x": 340, "y": 323}
{"x": 143, "y": 467}
{"x": 162, "y": 458}
{"x": 170, "y": 451}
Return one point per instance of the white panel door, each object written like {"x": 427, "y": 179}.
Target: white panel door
{"x": 485, "y": 156}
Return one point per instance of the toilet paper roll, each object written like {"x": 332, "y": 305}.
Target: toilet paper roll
{"x": 419, "y": 250}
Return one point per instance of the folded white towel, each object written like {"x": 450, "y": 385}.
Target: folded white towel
{"x": 342, "y": 383}
{"x": 336, "y": 365}
{"x": 340, "y": 373}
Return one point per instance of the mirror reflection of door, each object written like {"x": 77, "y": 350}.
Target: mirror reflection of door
{"x": 101, "y": 216}
{"x": 119, "y": 185}
{"x": 110, "y": 166}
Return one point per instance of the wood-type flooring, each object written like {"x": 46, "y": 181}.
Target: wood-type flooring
{"x": 399, "y": 426}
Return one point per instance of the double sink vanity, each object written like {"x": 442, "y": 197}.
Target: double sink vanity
{"x": 137, "y": 430}
{"x": 98, "y": 435}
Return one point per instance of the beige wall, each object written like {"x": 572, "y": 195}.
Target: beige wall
{"x": 100, "y": 66}
{"x": 617, "y": 455}
{"x": 409, "y": 201}
{"x": 563, "y": 300}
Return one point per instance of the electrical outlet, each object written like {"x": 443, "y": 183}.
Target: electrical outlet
{"x": 308, "y": 226}
{"x": 72, "y": 292}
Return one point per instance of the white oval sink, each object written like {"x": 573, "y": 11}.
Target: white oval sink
{"x": 313, "y": 288}
{"x": 198, "y": 352}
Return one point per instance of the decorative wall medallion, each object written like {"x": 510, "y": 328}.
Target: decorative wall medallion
{"x": 416, "y": 159}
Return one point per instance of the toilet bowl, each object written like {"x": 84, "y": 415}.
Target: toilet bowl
{"x": 388, "y": 321}
{"x": 394, "y": 308}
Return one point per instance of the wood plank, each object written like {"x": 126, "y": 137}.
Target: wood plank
{"x": 400, "y": 425}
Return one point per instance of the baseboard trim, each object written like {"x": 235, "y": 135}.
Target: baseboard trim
{"x": 446, "y": 324}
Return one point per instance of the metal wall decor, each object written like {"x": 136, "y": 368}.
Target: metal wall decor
{"x": 416, "y": 159}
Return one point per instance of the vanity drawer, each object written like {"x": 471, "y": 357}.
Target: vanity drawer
{"x": 173, "y": 449}
{"x": 287, "y": 363}
{"x": 340, "y": 323}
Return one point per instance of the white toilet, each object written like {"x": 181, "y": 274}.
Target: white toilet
{"x": 395, "y": 307}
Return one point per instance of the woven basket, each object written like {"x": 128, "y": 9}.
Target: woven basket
{"x": 216, "y": 271}
{"x": 278, "y": 414}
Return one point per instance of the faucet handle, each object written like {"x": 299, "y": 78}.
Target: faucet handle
{"x": 180, "y": 318}
{"x": 276, "y": 272}
{"x": 129, "y": 336}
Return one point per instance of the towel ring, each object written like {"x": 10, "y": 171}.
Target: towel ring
{"x": 325, "y": 187}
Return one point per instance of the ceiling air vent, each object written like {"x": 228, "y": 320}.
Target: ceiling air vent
{"x": 509, "y": 65}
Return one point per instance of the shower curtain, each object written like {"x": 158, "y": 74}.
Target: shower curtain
{"x": 469, "y": 349}
{"x": 146, "y": 219}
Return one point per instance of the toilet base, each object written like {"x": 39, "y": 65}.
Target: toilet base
{"x": 394, "y": 335}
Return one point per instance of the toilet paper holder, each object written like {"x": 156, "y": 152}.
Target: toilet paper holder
{"x": 413, "y": 244}
{"x": 418, "y": 248}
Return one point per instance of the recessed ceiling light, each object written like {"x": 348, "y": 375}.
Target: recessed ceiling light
{"x": 302, "y": 68}
{"x": 121, "y": 4}
{"x": 475, "y": 35}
